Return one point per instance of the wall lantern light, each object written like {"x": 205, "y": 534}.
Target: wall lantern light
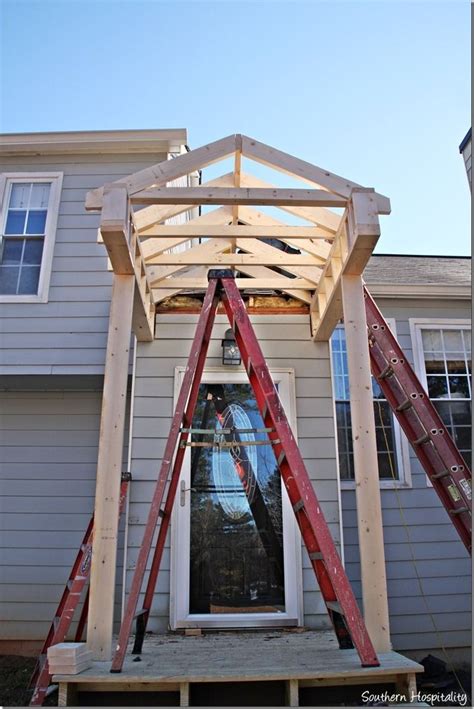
{"x": 230, "y": 351}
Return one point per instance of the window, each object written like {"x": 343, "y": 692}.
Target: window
{"x": 28, "y": 223}
{"x": 443, "y": 352}
{"x": 389, "y": 447}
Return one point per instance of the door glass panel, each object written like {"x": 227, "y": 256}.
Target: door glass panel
{"x": 236, "y": 561}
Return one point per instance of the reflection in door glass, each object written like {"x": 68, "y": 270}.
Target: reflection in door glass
{"x": 236, "y": 563}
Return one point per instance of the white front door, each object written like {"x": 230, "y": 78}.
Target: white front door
{"x": 235, "y": 545}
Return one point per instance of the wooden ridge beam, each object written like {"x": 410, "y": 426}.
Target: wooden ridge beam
{"x": 226, "y": 195}
{"x": 289, "y": 164}
{"x": 204, "y": 229}
{"x": 168, "y": 170}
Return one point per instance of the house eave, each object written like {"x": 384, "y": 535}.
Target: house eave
{"x": 93, "y": 142}
{"x": 421, "y": 290}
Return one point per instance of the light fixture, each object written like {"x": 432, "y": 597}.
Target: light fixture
{"x": 230, "y": 351}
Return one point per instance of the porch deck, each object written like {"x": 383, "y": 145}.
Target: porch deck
{"x": 171, "y": 663}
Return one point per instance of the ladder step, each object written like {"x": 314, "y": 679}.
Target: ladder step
{"x": 459, "y": 511}
{"x": 316, "y": 556}
{"x": 404, "y": 405}
{"x": 334, "y": 606}
{"x": 281, "y": 458}
{"x": 387, "y": 372}
{"x": 422, "y": 439}
{"x": 298, "y": 506}
{"x": 442, "y": 474}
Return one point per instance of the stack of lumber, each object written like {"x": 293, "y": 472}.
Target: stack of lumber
{"x": 69, "y": 658}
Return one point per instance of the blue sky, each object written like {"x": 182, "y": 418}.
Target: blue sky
{"x": 375, "y": 91}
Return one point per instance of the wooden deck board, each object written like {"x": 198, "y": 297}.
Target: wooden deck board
{"x": 243, "y": 657}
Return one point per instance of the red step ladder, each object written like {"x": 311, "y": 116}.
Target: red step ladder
{"x": 78, "y": 578}
{"x": 434, "y": 447}
{"x": 331, "y": 577}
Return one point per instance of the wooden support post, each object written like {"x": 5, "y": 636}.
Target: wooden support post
{"x": 184, "y": 694}
{"x": 67, "y": 694}
{"x": 369, "y": 512}
{"x": 292, "y": 694}
{"x": 406, "y": 685}
{"x": 109, "y": 469}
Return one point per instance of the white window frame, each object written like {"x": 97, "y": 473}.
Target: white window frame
{"x": 180, "y": 529}
{"x": 416, "y": 327}
{"x": 56, "y": 179}
{"x": 402, "y": 452}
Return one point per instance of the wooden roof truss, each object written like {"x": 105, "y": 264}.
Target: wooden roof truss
{"x": 141, "y": 241}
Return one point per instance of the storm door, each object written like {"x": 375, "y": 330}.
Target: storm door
{"x": 235, "y": 544}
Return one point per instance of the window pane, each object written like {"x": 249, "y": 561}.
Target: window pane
{"x": 8, "y": 279}
{"x": 437, "y": 387}
{"x": 459, "y": 387}
{"x": 432, "y": 341}
{"x": 455, "y": 364}
{"x": 33, "y": 251}
{"x": 466, "y": 334}
{"x": 435, "y": 363}
{"x": 29, "y": 278}
{"x": 12, "y": 249}
{"x": 15, "y": 222}
{"x": 19, "y": 195}
{"x": 40, "y": 195}
{"x": 453, "y": 340}
{"x": 36, "y": 222}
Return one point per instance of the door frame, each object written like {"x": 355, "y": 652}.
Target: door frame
{"x": 181, "y": 524}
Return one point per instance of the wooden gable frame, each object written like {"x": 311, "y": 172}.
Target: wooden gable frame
{"x": 304, "y": 261}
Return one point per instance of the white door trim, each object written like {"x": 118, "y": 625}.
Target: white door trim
{"x": 180, "y": 529}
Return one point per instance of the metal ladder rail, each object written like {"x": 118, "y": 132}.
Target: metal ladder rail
{"x": 330, "y": 574}
{"x": 419, "y": 419}
{"x": 70, "y": 598}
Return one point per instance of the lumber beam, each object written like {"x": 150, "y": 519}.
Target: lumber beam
{"x": 266, "y": 253}
{"x": 192, "y": 257}
{"x": 197, "y": 229}
{"x": 115, "y": 228}
{"x": 228, "y": 195}
{"x": 367, "y": 484}
{"x": 123, "y": 247}
{"x": 270, "y": 283}
{"x": 169, "y": 170}
{"x": 291, "y": 165}
{"x": 149, "y": 216}
{"x": 353, "y": 245}
{"x": 109, "y": 469}
{"x": 203, "y": 254}
{"x": 324, "y": 218}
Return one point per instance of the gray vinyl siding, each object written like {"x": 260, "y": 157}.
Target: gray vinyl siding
{"x": 286, "y": 343}
{"x": 48, "y": 460}
{"x": 68, "y": 334}
{"x": 438, "y": 613}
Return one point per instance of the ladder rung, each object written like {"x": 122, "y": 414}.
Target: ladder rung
{"x": 334, "y": 606}
{"x": 298, "y": 506}
{"x": 387, "y": 372}
{"x": 458, "y": 511}
{"x": 281, "y": 458}
{"x": 316, "y": 556}
{"x": 404, "y": 405}
{"x": 162, "y": 514}
{"x": 442, "y": 474}
{"x": 422, "y": 439}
